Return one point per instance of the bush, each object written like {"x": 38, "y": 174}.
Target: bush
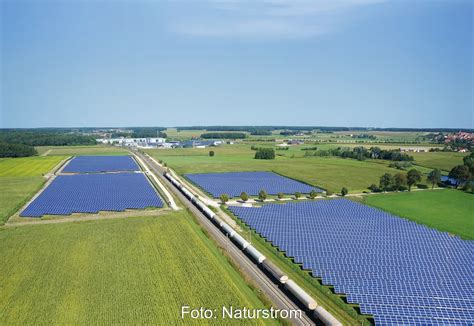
{"x": 329, "y": 193}
{"x": 374, "y": 188}
{"x": 211, "y": 153}
{"x": 265, "y": 154}
{"x": 224, "y": 198}
{"x": 344, "y": 191}
{"x": 280, "y": 195}
{"x": 262, "y": 195}
{"x": 297, "y": 194}
{"x": 313, "y": 194}
{"x": 244, "y": 196}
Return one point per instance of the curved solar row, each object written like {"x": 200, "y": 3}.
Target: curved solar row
{"x": 91, "y": 193}
{"x": 234, "y": 183}
{"x": 91, "y": 164}
{"x": 398, "y": 271}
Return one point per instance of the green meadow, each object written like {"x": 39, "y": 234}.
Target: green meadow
{"x": 446, "y": 210}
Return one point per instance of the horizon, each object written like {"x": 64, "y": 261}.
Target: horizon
{"x": 377, "y": 63}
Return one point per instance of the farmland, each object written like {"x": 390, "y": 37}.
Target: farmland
{"x": 80, "y": 150}
{"x": 445, "y": 210}
{"x": 122, "y": 271}
{"x": 326, "y": 172}
{"x": 20, "y": 178}
{"x": 439, "y": 160}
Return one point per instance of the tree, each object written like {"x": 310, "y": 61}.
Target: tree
{"x": 244, "y": 196}
{"x": 313, "y": 194}
{"x": 374, "y": 188}
{"x": 262, "y": 195}
{"x": 297, "y": 194}
{"x": 469, "y": 162}
{"x": 224, "y": 198}
{"x": 434, "y": 177}
{"x": 413, "y": 177}
{"x": 265, "y": 154}
{"x": 385, "y": 181}
{"x": 399, "y": 181}
{"x": 280, "y": 195}
{"x": 329, "y": 192}
{"x": 211, "y": 153}
{"x": 460, "y": 173}
{"x": 344, "y": 191}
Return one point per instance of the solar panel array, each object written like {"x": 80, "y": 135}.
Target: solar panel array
{"x": 91, "y": 164}
{"x": 234, "y": 183}
{"x": 398, "y": 271}
{"x": 91, "y": 193}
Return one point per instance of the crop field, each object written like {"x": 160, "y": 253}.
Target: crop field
{"x": 124, "y": 271}
{"x": 446, "y": 210}
{"x": 81, "y": 150}
{"x": 27, "y": 166}
{"x": 324, "y": 172}
{"x": 20, "y": 179}
{"x": 439, "y": 160}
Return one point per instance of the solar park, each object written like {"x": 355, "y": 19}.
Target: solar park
{"x": 234, "y": 183}
{"x": 87, "y": 192}
{"x": 398, "y": 271}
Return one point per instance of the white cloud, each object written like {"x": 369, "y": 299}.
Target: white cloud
{"x": 263, "y": 19}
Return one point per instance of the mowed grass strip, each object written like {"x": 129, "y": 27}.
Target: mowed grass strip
{"x": 439, "y": 160}
{"x": 28, "y": 166}
{"x": 327, "y": 172}
{"x": 125, "y": 271}
{"x": 446, "y": 210}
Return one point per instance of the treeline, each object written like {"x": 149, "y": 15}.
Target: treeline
{"x": 224, "y": 135}
{"x": 361, "y": 153}
{"x": 33, "y": 138}
{"x": 321, "y": 128}
{"x": 16, "y": 150}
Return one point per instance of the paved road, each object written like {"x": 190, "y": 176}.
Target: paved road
{"x": 278, "y": 298}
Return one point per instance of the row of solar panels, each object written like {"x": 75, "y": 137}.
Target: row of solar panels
{"x": 234, "y": 183}
{"x": 373, "y": 257}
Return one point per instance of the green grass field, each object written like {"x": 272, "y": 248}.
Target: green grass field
{"x": 124, "y": 271}
{"x": 326, "y": 172}
{"x": 81, "y": 150}
{"x": 446, "y": 210}
{"x": 20, "y": 179}
{"x": 27, "y": 166}
{"x": 439, "y": 160}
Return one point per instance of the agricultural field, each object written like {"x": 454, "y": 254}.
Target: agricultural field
{"x": 20, "y": 179}
{"x": 326, "y": 172}
{"x": 446, "y": 210}
{"x": 124, "y": 271}
{"x": 80, "y": 150}
{"x": 439, "y": 160}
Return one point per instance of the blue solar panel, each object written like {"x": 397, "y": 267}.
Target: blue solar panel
{"x": 91, "y": 193}
{"x": 398, "y": 271}
{"x": 91, "y": 164}
{"x": 234, "y": 183}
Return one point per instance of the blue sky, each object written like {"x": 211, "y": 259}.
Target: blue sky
{"x": 276, "y": 62}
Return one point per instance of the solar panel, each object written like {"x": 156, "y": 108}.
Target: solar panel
{"x": 398, "y": 271}
{"x": 91, "y": 164}
{"x": 91, "y": 193}
{"x": 234, "y": 183}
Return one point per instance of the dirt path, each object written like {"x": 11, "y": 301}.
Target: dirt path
{"x": 47, "y": 152}
{"x": 100, "y": 216}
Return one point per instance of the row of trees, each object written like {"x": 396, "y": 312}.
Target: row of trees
{"x": 362, "y": 153}
{"x": 262, "y": 195}
{"x": 224, "y": 135}
{"x": 402, "y": 181}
